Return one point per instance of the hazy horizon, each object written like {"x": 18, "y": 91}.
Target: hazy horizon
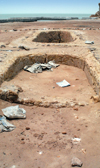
{"x": 59, "y": 15}
{"x": 52, "y": 6}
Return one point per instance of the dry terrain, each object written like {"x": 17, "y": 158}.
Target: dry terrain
{"x": 45, "y": 138}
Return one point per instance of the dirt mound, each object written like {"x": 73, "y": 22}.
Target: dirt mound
{"x": 54, "y": 37}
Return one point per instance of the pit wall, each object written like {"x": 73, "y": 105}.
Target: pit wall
{"x": 89, "y": 65}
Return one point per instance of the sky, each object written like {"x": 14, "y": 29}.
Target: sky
{"x": 48, "y": 6}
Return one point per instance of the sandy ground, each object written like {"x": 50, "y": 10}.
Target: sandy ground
{"x": 43, "y": 85}
{"x": 44, "y": 138}
{"x": 50, "y": 132}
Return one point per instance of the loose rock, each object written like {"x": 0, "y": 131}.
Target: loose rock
{"x": 14, "y": 112}
{"x": 89, "y": 42}
{"x": 76, "y": 162}
{"x": 75, "y": 108}
{"x": 27, "y": 128}
{"x": 96, "y": 98}
{"x": 38, "y": 67}
{"x": 2, "y": 46}
{"x": 76, "y": 140}
{"x": 24, "y": 48}
{"x": 5, "y": 126}
{"x": 64, "y": 133}
{"x": 10, "y": 92}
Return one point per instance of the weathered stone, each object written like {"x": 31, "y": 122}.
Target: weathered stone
{"x": 24, "y": 48}
{"x": 5, "y": 126}
{"x": 10, "y": 92}
{"x": 2, "y": 46}
{"x": 27, "y": 128}
{"x": 82, "y": 104}
{"x": 76, "y": 162}
{"x": 38, "y": 67}
{"x": 75, "y": 108}
{"x": 92, "y": 49}
{"x": 76, "y": 140}
{"x": 14, "y": 29}
{"x": 96, "y": 98}
{"x": 14, "y": 112}
{"x": 97, "y": 14}
{"x": 8, "y": 95}
{"x": 26, "y": 101}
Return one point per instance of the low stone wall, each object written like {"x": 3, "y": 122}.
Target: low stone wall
{"x": 33, "y": 19}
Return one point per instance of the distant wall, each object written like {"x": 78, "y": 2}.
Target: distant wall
{"x": 33, "y": 19}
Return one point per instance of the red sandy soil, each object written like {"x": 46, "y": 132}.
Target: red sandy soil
{"x": 43, "y": 85}
{"x": 43, "y": 139}
{"x": 50, "y": 130}
{"x": 22, "y": 28}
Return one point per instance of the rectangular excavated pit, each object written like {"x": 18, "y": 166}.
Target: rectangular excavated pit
{"x": 41, "y": 88}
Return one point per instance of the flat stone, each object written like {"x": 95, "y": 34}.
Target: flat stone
{"x": 13, "y": 112}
